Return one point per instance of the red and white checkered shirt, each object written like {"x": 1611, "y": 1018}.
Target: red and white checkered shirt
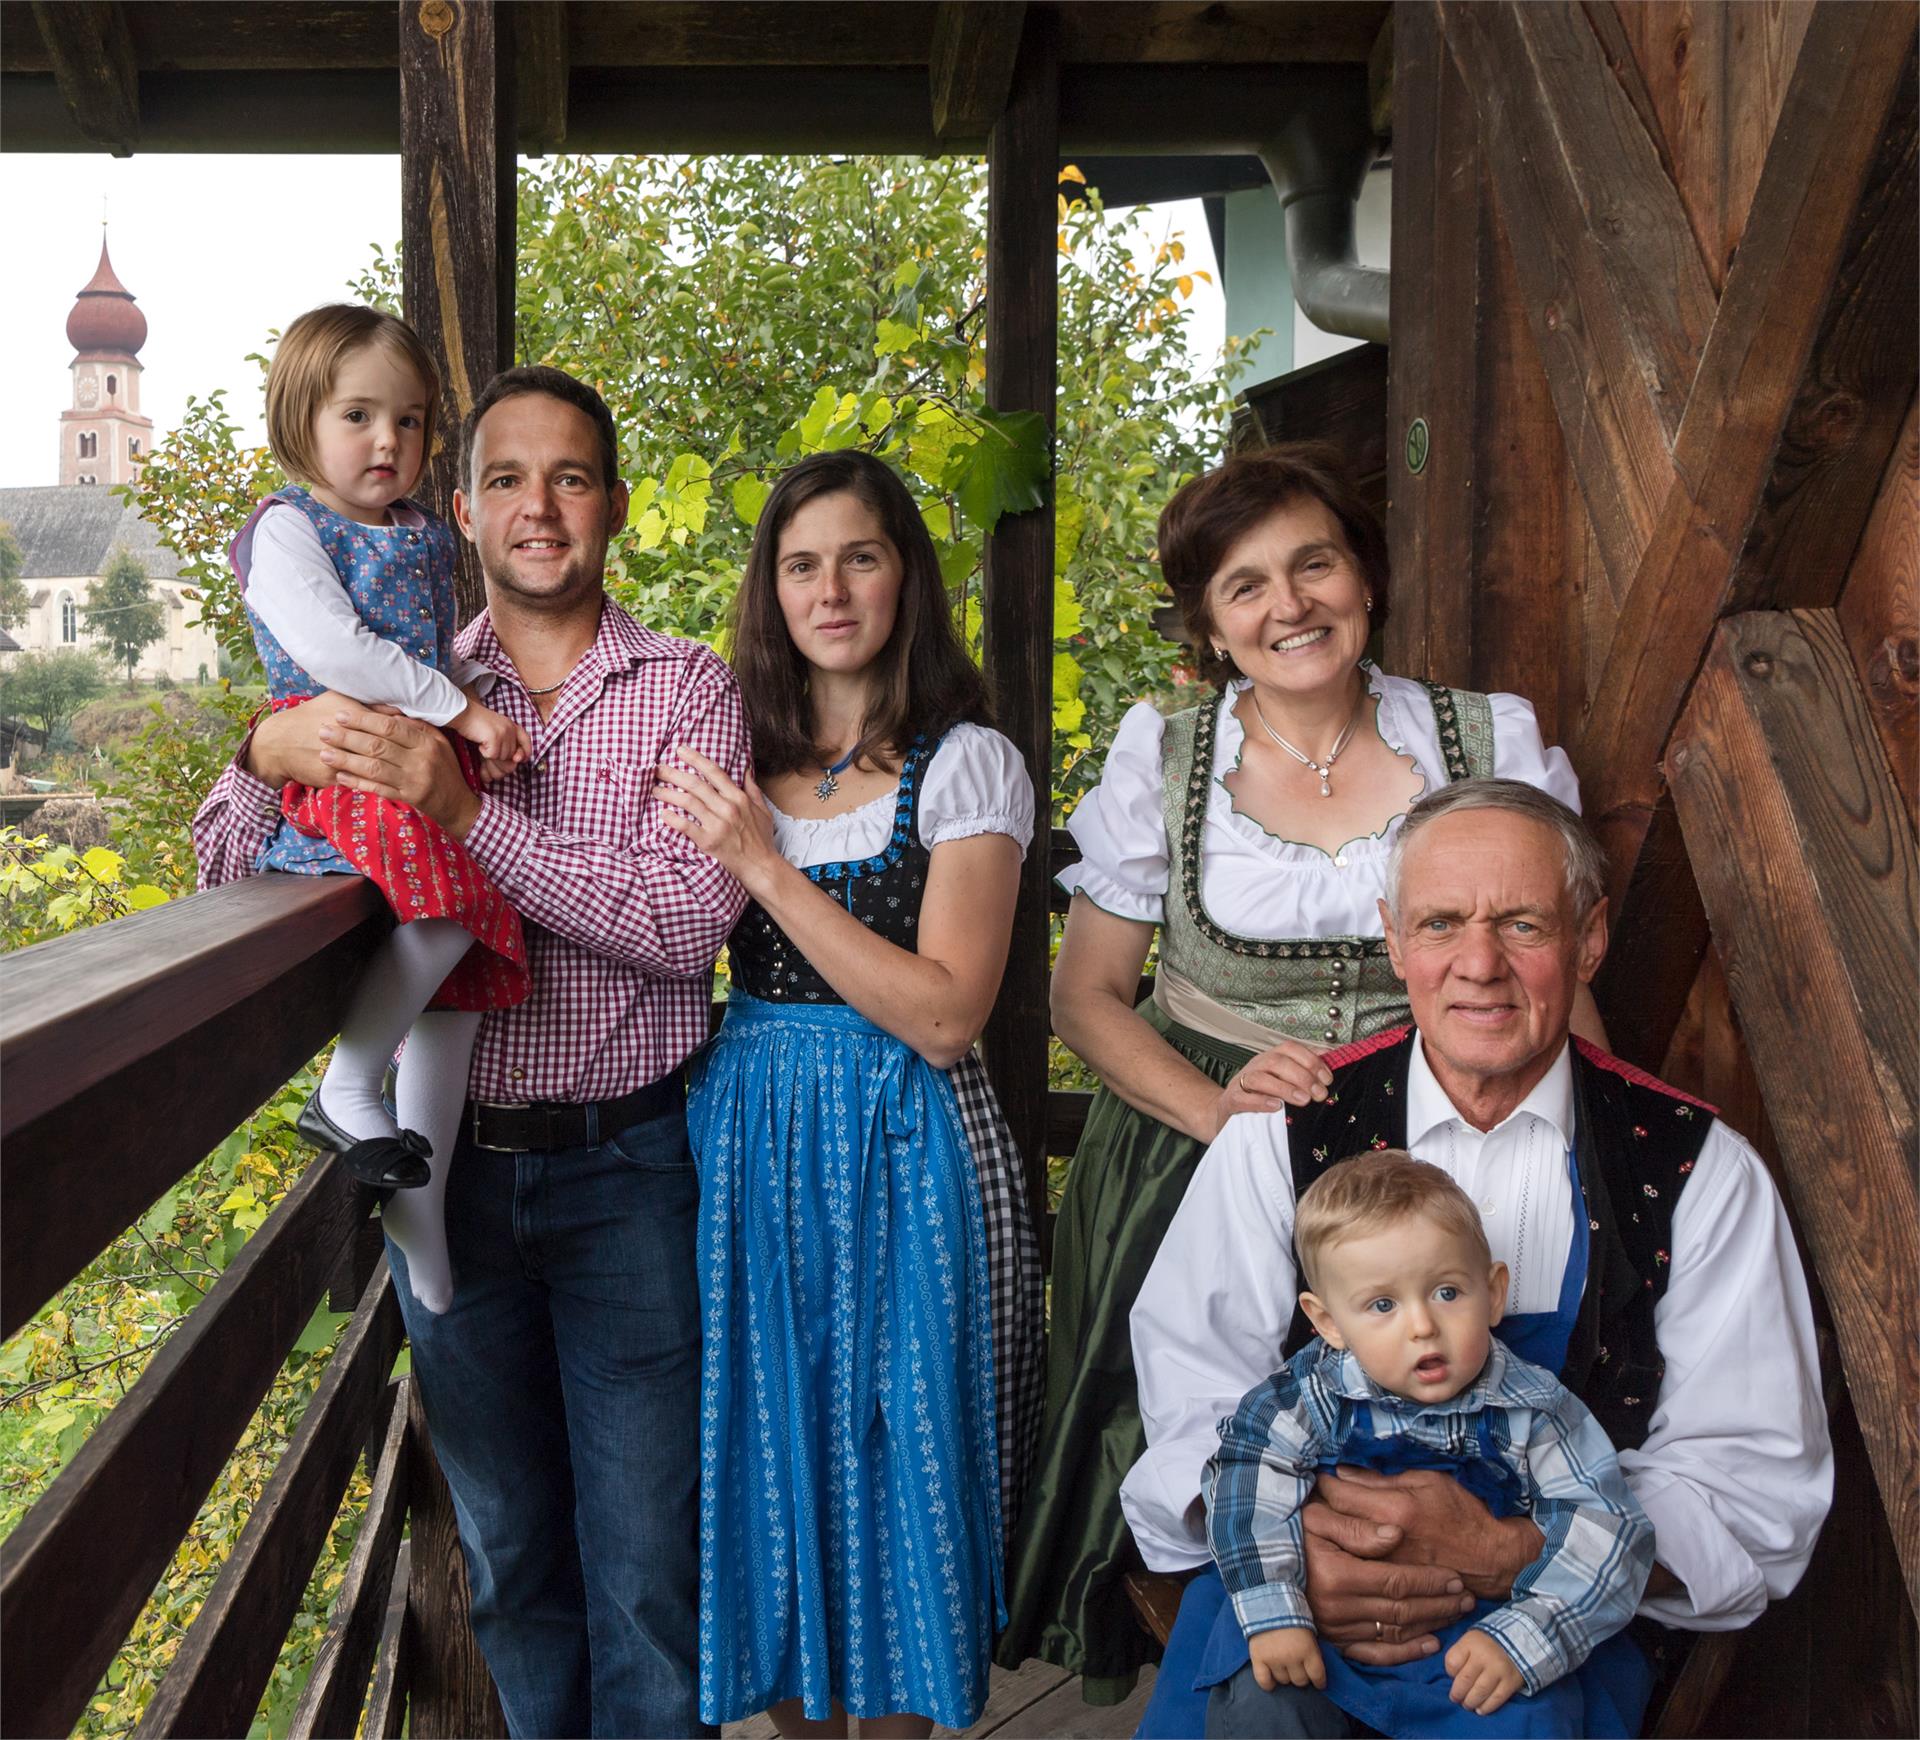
{"x": 624, "y": 917}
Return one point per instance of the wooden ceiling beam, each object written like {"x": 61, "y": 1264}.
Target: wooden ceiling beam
{"x": 1808, "y": 869}
{"x": 90, "y": 51}
{"x": 1618, "y": 296}
{"x": 542, "y": 63}
{"x": 1880, "y": 611}
{"x": 1795, "y": 407}
{"x": 970, "y": 64}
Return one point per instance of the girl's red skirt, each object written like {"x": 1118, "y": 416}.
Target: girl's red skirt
{"x": 425, "y": 873}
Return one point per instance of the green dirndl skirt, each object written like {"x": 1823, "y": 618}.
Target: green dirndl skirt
{"x": 1065, "y": 1599}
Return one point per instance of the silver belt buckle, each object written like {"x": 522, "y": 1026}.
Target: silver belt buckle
{"x": 494, "y": 1106}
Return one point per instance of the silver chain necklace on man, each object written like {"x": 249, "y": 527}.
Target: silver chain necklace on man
{"x": 1323, "y": 768}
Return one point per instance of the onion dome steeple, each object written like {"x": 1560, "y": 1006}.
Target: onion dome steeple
{"x": 104, "y": 317}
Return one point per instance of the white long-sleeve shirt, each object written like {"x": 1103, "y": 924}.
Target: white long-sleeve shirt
{"x": 293, "y": 588}
{"x": 1736, "y": 1473}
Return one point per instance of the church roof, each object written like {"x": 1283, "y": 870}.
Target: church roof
{"x": 104, "y": 317}
{"x": 67, "y": 530}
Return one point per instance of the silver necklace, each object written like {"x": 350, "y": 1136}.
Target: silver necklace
{"x": 1323, "y": 768}
{"x": 551, "y": 687}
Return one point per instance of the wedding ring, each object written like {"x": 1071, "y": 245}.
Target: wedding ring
{"x": 1379, "y": 1632}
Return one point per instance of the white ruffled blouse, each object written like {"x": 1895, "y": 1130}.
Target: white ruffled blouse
{"x": 1253, "y": 883}
{"x": 976, "y": 783}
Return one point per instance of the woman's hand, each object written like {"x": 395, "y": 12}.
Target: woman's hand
{"x": 1287, "y": 1074}
{"x": 731, "y": 824}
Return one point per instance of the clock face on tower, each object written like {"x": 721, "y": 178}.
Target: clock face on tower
{"x": 88, "y": 392}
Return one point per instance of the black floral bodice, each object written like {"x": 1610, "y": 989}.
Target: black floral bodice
{"x": 884, "y": 892}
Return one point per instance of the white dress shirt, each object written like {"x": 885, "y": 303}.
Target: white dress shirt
{"x": 1736, "y": 1472}
{"x": 294, "y": 588}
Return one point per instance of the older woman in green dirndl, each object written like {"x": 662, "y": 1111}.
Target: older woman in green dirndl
{"x": 1251, "y": 833}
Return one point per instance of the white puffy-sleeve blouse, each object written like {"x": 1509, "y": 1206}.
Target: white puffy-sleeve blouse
{"x": 976, "y": 783}
{"x": 1253, "y": 883}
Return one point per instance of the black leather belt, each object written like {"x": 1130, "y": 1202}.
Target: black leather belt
{"x": 522, "y": 1126}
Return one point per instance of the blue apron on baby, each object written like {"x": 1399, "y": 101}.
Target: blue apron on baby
{"x": 1605, "y": 1699}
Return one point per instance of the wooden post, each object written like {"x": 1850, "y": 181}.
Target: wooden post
{"x": 457, "y": 216}
{"x": 1023, "y": 180}
{"x": 450, "y": 1692}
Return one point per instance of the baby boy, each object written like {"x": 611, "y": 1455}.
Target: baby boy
{"x": 1405, "y": 1372}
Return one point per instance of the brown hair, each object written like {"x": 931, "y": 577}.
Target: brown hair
{"x": 1209, "y": 515}
{"x": 1372, "y": 1191}
{"x": 927, "y": 683}
{"x": 305, "y": 362}
{"x": 549, "y": 383}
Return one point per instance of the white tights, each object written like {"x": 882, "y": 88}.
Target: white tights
{"x": 431, "y": 1088}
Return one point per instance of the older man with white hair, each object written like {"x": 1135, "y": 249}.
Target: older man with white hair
{"x": 1652, "y": 1268}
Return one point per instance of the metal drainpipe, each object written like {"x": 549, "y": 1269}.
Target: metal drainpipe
{"x": 1317, "y": 163}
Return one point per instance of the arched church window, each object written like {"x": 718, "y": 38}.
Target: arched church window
{"x": 69, "y": 619}
{"x": 133, "y": 446}
{"x": 89, "y": 446}
{"x": 113, "y": 385}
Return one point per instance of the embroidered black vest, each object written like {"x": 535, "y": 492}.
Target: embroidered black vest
{"x": 883, "y": 892}
{"x": 1636, "y": 1141}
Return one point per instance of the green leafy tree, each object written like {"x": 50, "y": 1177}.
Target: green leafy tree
{"x": 14, "y": 602}
{"x": 123, "y": 610}
{"x": 48, "y": 688}
{"x": 739, "y": 312}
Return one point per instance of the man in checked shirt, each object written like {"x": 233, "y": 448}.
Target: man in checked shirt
{"x": 562, "y": 1386}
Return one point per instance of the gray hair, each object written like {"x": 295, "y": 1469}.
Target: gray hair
{"x": 1586, "y": 863}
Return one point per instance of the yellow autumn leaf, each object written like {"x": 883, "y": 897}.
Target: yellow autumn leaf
{"x": 1071, "y": 172}
{"x": 1184, "y": 284}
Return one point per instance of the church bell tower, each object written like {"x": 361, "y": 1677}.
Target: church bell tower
{"x": 103, "y": 438}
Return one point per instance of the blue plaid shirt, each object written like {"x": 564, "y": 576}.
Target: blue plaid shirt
{"x": 1598, "y": 1546}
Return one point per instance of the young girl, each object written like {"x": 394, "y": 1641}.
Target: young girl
{"x": 850, "y": 1552}
{"x": 349, "y": 587}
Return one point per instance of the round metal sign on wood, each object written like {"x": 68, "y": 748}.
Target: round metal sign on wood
{"x": 1419, "y": 444}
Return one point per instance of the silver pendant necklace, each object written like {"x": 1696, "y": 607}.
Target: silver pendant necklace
{"x": 1323, "y": 768}
{"x": 828, "y": 783}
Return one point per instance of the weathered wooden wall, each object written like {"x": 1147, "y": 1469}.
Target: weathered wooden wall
{"x": 1654, "y": 297}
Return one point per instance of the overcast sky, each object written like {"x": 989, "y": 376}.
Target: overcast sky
{"x": 218, "y": 251}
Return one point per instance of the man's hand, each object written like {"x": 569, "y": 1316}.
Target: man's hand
{"x": 1367, "y": 1607}
{"x": 1289, "y": 1656}
{"x": 1438, "y": 1522}
{"x": 1484, "y": 1675}
{"x": 392, "y": 756}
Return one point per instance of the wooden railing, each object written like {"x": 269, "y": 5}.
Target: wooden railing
{"x": 127, "y": 1053}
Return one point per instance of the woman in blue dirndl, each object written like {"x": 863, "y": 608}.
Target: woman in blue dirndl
{"x": 850, "y": 1519}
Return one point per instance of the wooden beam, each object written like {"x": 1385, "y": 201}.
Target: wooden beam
{"x": 970, "y": 63}
{"x": 457, "y": 217}
{"x": 1796, "y": 406}
{"x": 1880, "y": 611}
{"x": 450, "y": 1694}
{"x": 156, "y": 1036}
{"x": 542, "y": 65}
{"x": 121, "y": 1506}
{"x": 1342, "y": 399}
{"x": 214, "y": 1683}
{"x": 1618, "y": 297}
{"x": 1433, "y": 375}
{"x": 1809, "y": 872}
{"x": 385, "y": 1717}
{"x": 336, "y": 1689}
{"x": 90, "y": 52}
{"x": 1224, "y": 32}
{"x": 1022, "y": 334}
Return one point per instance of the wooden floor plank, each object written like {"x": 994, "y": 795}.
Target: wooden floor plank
{"x": 1036, "y": 1699}
{"x": 1010, "y": 1693}
{"x": 1064, "y": 1715}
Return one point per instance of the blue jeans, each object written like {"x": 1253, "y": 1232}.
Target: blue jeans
{"x": 562, "y": 1390}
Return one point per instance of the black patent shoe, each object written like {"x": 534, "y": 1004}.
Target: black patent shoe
{"x": 380, "y": 1162}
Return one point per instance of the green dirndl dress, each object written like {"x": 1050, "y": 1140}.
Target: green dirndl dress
{"x": 1066, "y": 1595}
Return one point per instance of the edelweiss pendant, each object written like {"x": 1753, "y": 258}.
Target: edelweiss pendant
{"x": 826, "y": 788}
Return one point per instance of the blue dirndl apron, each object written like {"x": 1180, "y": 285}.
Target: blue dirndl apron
{"x": 1605, "y": 1699}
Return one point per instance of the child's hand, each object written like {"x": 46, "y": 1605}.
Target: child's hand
{"x": 491, "y": 770}
{"x": 1484, "y": 1675}
{"x": 1289, "y": 1656}
{"x": 496, "y": 737}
